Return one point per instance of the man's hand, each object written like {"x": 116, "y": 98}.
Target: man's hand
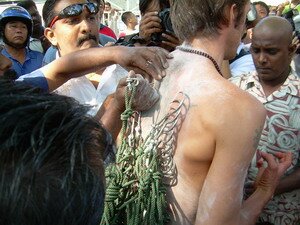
{"x": 170, "y": 41}
{"x": 268, "y": 177}
{"x": 150, "y": 62}
{"x": 150, "y": 23}
{"x": 145, "y": 95}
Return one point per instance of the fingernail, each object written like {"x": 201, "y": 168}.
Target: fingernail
{"x": 166, "y": 65}
{"x": 159, "y": 77}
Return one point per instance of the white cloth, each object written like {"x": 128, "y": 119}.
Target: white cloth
{"x": 83, "y": 90}
{"x": 242, "y": 65}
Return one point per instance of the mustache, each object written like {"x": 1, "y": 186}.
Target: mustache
{"x": 86, "y": 38}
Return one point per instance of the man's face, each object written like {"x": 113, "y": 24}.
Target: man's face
{"x": 271, "y": 55}
{"x": 74, "y": 33}
{"x": 107, "y": 7}
{"x": 101, "y": 9}
{"x": 133, "y": 19}
{"x": 16, "y": 33}
{"x": 261, "y": 11}
{"x": 36, "y": 17}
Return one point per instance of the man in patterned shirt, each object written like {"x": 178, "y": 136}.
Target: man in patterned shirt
{"x": 276, "y": 85}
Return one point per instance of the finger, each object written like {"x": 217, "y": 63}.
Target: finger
{"x": 163, "y": 56}
{"x": 272, "y": 164}
{"x": 143, "y": 73}
{"x": 149, "y": 19}
{"x": 171, "y": 44}
{"x": 171, "y": 38}
{"x": 152, "y": 65}
{"x": 152, "y": 13}
{"x": 131, "y": 74}
{"x": 146, "y": 33}
{"x": 260, "y": 173}
{"x": 150, "y": 31}
{"x": 122, "y": 82}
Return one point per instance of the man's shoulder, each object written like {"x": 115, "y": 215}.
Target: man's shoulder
{"x": 35, "y": 79}
{"x": 228, "y": 100}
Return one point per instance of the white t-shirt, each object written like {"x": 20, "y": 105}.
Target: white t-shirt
{"x": 83, "y": 90}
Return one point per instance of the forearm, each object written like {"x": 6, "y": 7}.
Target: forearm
{"x": 253, "y": 206}
{"x": 289, "y": 183}
{"x": 109, "y": 115}
{"x": 79, "y": 63}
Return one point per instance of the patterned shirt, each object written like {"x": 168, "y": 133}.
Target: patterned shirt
{"x": 281, "y": 133}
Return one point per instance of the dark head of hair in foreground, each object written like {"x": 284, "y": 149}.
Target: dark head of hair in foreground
{"x": 51, "y": 159}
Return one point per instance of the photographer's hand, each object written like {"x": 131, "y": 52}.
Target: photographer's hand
{"x": 171, "y": 40}
{"x": 150, "y": 23}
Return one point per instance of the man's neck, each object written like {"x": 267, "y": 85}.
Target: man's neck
{"x": 213, "y": 47}
{"x": 271, "y": 86}
{"x": 18, "y": 54}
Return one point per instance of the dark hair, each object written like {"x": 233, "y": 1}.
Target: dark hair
{"x": 189, "y": 17}
{"x": 143, "y": 5}
{"x": 51, "y": 167}
{"x": 48, "y": 11}
{"x": 27, "y": 4}
{"x": 263, "y": 4}
{"x": 126, "y": 16}
{"x": 107, "y": 3}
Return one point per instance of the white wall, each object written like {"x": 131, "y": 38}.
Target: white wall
{"x": 271, "y": 2}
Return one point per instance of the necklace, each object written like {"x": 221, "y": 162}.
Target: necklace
{"x": 204, "y": 54}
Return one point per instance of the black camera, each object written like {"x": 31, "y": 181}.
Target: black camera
{"x": 166, "y": 24}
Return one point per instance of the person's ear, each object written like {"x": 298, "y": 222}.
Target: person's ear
{"x": 50, "y": 35}
{"x": 232, "y": 15}
{"x": 292, "y": 49}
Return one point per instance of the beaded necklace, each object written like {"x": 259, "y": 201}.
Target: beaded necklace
{"x": 204, "y": 54}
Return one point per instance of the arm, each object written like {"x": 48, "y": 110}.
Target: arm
{"x": 222, "y": 193}
{"x": 265, "y": 185}
{"x": 89, "y": 60}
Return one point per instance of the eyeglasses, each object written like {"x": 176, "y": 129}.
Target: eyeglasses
{"x": 75, "y": 10}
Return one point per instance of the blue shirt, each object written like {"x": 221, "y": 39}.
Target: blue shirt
{"x": 35, "y": 79}
{"x": 32, "y": 62}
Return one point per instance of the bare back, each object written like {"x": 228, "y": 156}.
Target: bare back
{"x": 215, "y": 143}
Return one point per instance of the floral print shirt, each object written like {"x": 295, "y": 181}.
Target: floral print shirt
{"x": 281, "y": 133}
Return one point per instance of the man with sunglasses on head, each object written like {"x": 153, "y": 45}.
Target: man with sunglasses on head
{"x": 72, "y": 25}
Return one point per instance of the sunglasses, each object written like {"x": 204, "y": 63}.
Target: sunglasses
{"x": 75, "y": 10}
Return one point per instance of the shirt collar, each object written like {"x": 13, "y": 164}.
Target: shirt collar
{"x": 290, "y": 86}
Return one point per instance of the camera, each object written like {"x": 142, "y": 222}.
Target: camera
{"x": 166, "y": 24}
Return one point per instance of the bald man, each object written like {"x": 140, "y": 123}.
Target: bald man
{"x": 277, "y": 86}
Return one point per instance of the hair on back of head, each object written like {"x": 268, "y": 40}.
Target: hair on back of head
{"x": 263, "y": 4}
{"x": 126, "y": 16}
{"x": 144, "y": 4}
{"x": 51, "y": 159}
{"x": 191, "y": 17}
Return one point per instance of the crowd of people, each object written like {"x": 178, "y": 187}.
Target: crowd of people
{"x": 217, "y": 81}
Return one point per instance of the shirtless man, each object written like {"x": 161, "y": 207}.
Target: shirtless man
{"x": 220, "y": 124}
